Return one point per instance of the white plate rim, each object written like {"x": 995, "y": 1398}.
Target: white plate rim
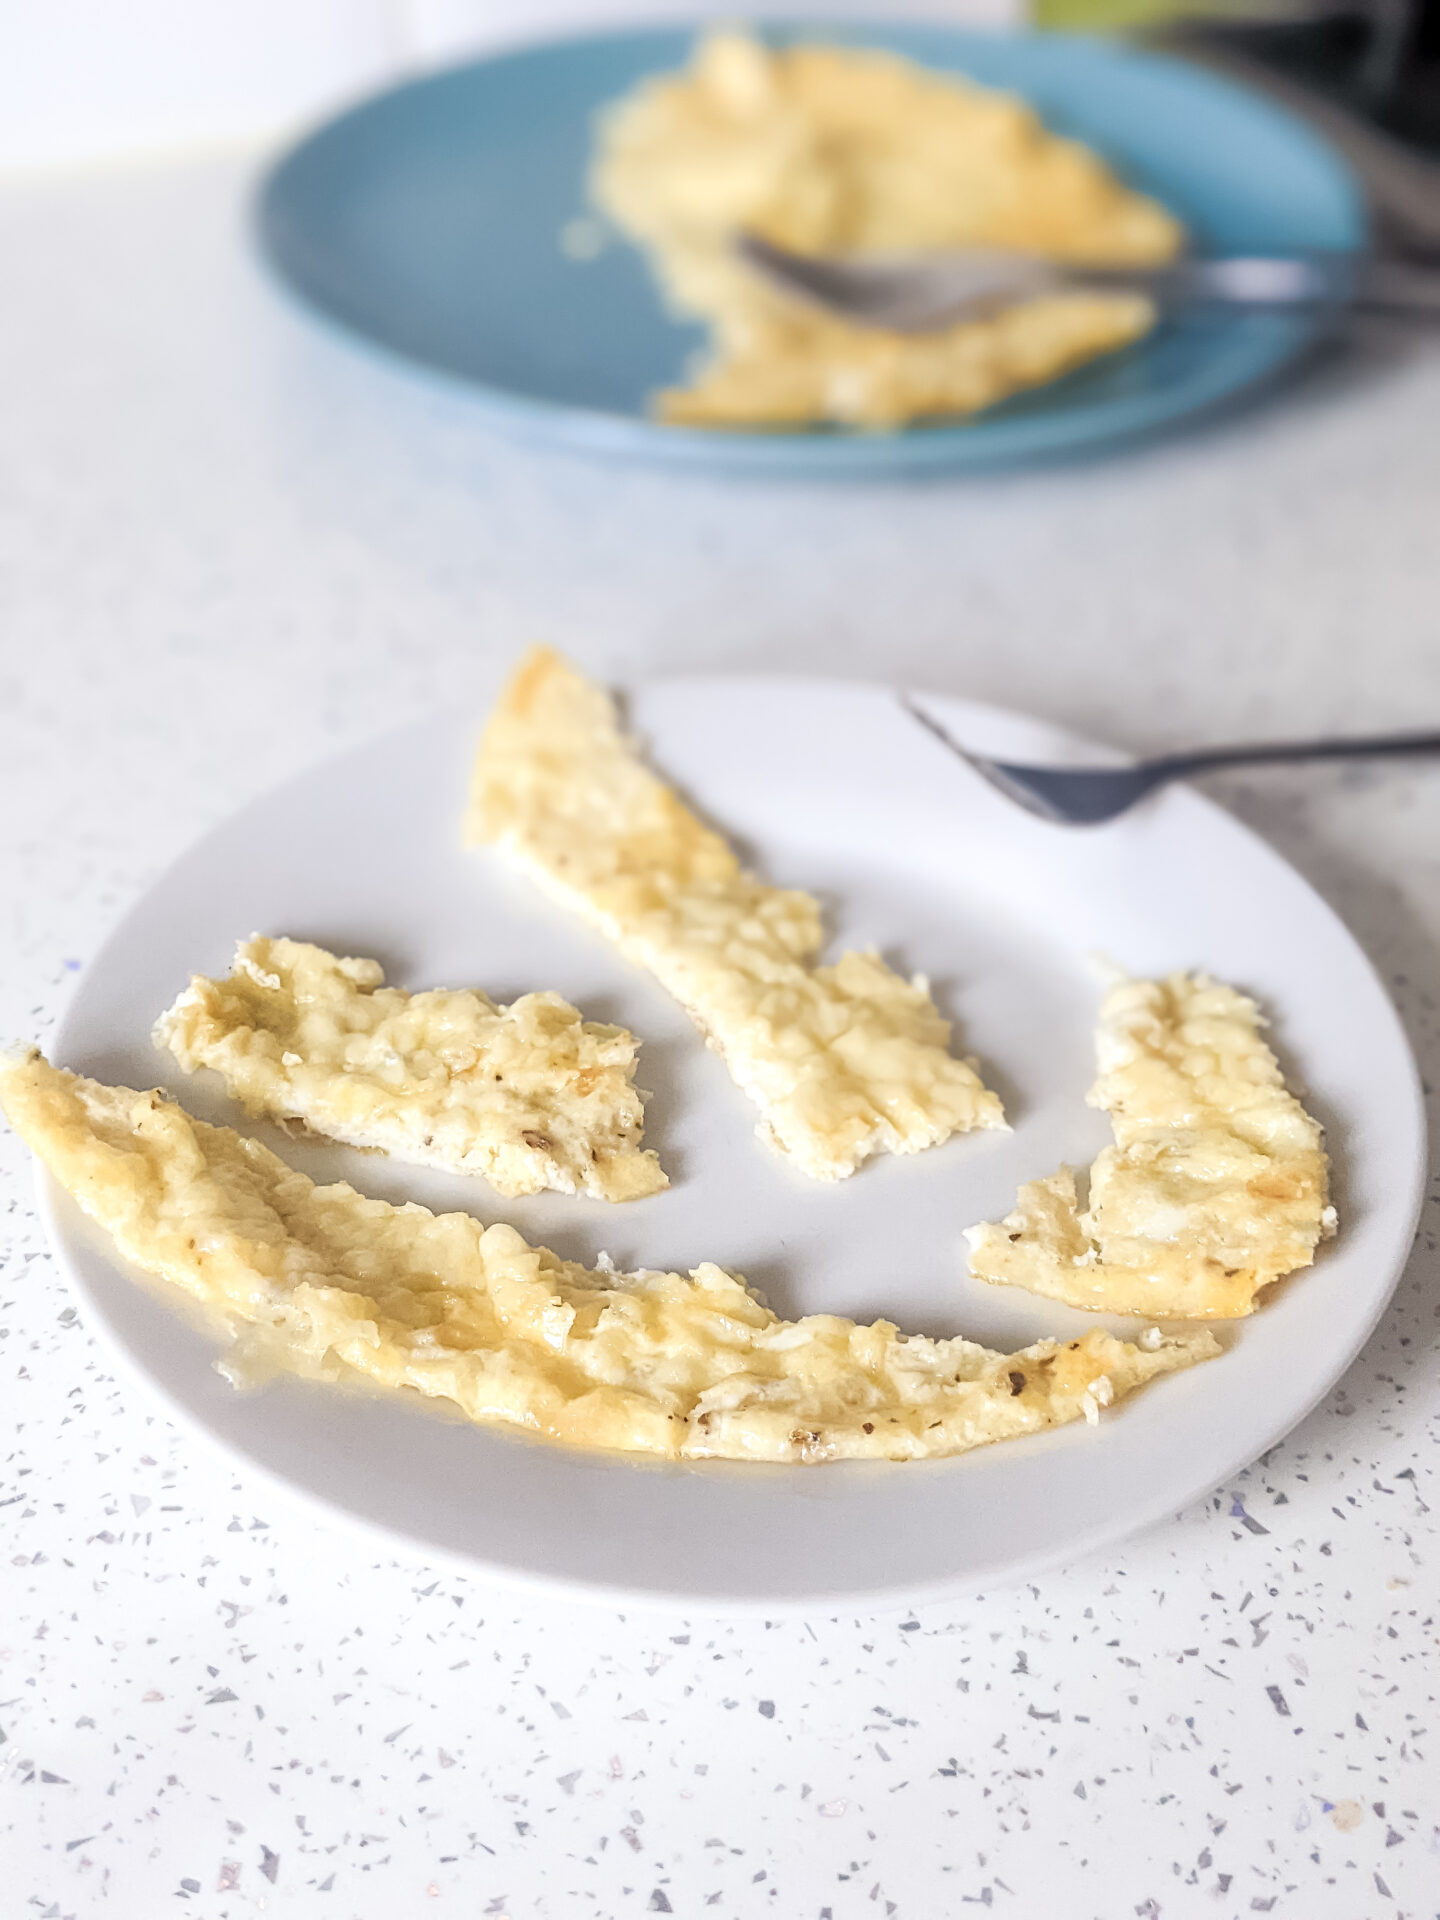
{"x": 961, "y": 716}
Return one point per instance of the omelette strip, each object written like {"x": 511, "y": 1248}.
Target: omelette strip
{"x": 531, "y": 1095}
{"x": 832, "y": 151}
{"x": 843, "y": 1061}
{"x": 1216, "y": 1185}
{"x": 799, "y": 368}
{"x": 694, "y": 1367}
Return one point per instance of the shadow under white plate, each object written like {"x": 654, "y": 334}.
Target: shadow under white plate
{"x": 832, "y": 787}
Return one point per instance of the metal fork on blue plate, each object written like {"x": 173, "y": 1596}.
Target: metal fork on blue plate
{"x": 923, "y": 292}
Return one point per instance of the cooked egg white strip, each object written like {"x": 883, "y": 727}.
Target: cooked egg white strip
{"x": 796, "y": 368}
{"x": 843, "y": 1061}
{"x": 531, "y": 1096}
{"x": 659, "y": 1363}
{"x": 1215, "y": 1187}
{"x": 832, "y": 150}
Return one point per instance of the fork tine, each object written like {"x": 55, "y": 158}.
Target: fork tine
{"x": 994, "y": 772}
{"x": 917, "y": 712}
{"x": 1061, "y": 796}
{"x": 1076, "y": 796}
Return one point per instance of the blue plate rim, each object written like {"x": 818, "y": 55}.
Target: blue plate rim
{"x": 987, "y": 442}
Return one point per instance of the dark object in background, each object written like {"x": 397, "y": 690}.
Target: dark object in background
{"x": 1366, "y": 73}
{"x": 1381, "y": 61}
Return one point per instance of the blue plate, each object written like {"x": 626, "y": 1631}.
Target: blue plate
{"x": 428, "y": 220}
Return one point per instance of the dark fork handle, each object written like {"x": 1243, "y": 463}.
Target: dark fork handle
{"x": 1088, "y": 796}
{"x": 1342, "y": 281}
{"x": 1176, "y": 766}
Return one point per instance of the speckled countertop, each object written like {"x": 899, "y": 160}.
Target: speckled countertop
{"x": 228, "y": 545}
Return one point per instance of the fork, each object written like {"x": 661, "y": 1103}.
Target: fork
{"x": 921, "y": 292}
{"x": 1086, "y": 796}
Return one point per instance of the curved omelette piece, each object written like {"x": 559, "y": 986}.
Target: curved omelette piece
{"x": 1216, "y": 1185}
{"x": 661, "y": 1363}
{"x": 831, "y": 150}
{"x": 794, "y": 368}
{"x": 531, "y": 1096}
{"x": 843, "y": 1061}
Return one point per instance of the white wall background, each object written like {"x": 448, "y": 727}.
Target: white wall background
{"x": 83, "y": 80}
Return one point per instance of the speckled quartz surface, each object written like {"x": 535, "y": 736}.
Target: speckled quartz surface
{"x": 229, "y": 544}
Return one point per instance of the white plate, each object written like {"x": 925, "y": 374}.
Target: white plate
{"x": 831, "y": 787}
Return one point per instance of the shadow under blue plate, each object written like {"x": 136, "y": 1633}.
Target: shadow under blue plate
{"x": 428, "y": 221}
